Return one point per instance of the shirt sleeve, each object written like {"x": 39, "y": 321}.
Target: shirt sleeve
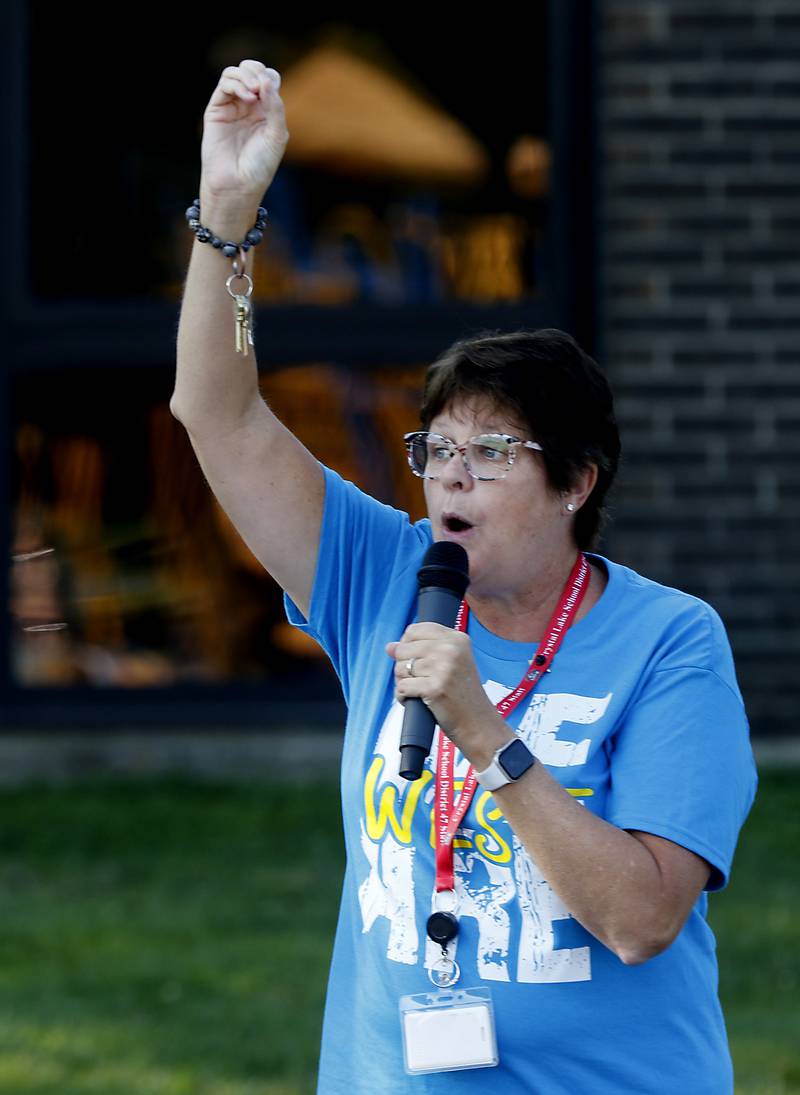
{"x": 365, "y": 548}
{"x": 682, "y": 766}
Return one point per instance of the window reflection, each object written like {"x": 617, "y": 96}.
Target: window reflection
{"x": 114, "y": 584}
{"x": 417, "y": 170}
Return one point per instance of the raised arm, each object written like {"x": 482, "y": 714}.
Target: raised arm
{"x": 267, "y": 482}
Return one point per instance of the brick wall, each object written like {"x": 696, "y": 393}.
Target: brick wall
{"x": 699, "y": 118}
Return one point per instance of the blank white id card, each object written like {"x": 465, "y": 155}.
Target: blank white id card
{"x": 449, "y": 1030}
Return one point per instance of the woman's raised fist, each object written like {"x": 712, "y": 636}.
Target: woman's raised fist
{"x": 244, "y": 132}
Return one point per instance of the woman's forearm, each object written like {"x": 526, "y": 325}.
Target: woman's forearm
{"x": 214, "y": 384}
{"x": 608, "y": 879}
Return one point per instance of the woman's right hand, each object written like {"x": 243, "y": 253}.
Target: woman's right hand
{"x": 244, "y": 133}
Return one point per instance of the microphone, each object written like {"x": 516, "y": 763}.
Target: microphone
{"x": 443, "y": 579}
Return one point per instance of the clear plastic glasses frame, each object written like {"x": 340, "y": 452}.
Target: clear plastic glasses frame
{"x": 423, "y": 437}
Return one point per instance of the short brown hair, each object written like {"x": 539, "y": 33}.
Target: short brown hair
{"x": 555, "y": 388}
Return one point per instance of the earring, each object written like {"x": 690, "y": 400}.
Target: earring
{"x": 570, "y": 507}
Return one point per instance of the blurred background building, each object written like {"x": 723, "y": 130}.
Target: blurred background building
{"x": 628, "y": 171}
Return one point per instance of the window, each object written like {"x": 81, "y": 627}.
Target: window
{"x": 456, "y": 196}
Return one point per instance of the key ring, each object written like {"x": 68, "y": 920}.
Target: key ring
{"x": 444, "y": 972}
{"x": 238, "y": 262}
{"x": 247, "y": 278}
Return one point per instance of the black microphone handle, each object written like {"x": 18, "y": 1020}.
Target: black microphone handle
{"x": 439, "y": 606}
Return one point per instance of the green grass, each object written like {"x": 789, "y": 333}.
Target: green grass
{"x": 173, "y": 938}
{"x": 757, "y": 924}
{"x": 167, "y": 938}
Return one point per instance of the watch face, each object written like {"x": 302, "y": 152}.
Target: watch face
{"x": 515, "y": 759}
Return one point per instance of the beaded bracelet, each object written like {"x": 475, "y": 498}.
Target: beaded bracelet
{"x": 243, "y": 315}
{"x": 229, "y": 248}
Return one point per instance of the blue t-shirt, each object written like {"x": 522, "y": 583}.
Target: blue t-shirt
{"x": 640, "y": 719}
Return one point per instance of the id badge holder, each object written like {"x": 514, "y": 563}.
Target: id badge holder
{"x": 448, "y": 1030}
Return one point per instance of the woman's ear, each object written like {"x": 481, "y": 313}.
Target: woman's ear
{"x": 582, "y": 486}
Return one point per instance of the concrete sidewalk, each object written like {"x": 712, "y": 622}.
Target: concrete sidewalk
{"x": 298, "y": 755}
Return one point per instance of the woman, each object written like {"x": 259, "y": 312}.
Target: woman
{"x": 569, "y": 950}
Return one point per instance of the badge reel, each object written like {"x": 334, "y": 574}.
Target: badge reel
{"x": 442, "y": 928}
{"x": 451, "y": 1029}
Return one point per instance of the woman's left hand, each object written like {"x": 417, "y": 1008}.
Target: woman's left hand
{"x": 444, "y": 676}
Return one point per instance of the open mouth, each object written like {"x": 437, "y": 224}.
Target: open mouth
{"x": 456, "y": 524}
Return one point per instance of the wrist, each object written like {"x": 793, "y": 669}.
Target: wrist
{"x": 480, "y": 740}
{"x": 228, "y": 216}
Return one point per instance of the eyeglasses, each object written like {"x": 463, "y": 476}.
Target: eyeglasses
{"x": 487, "y": 456}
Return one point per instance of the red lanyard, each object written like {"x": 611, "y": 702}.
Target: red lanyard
{"x": 448, "y": 819}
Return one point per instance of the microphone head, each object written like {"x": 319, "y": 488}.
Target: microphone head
{"x": 446, "y": 565}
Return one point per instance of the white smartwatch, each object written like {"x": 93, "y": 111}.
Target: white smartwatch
{"x": 509, "y": 762}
